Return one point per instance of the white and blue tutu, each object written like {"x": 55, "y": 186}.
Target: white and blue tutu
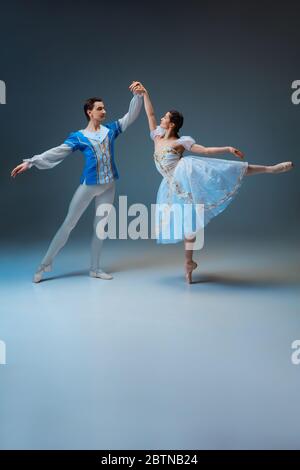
{"x": 193, "y": 190}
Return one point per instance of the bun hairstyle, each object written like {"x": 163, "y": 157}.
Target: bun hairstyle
{"x": 176, "y": 118}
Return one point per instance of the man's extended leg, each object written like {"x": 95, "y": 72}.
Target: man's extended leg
{"x": 106, "y": 196}
{"x": 80, "y": 201}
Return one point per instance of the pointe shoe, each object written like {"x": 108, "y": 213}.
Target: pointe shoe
{"x": 189, "y": 268}
{"x": 282, "y": 167}
{"x": 40, "y": 271}
{"x": 101, "y": 275}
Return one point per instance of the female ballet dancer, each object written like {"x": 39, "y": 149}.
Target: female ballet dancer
{"x": 211, "y": 182}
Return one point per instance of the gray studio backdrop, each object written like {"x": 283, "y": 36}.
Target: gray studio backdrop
{"x": 227, "y": 66}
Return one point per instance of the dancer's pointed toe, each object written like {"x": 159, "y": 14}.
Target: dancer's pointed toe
{"x": 40, "y": 271}
{"x": 282, "y": 167}
{"x": 189, "y": 268}
{"x": 37, "y": 277}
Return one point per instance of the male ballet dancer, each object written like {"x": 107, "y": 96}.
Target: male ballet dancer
{"x": 97, "y": 181}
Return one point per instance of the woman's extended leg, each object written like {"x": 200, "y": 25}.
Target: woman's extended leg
{"x": 105, "y": 197}
{"x": 80, "y": 201}
{"x": 271, "y": 169}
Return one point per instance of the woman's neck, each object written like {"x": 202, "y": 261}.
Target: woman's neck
{"x": 169, "y": 135}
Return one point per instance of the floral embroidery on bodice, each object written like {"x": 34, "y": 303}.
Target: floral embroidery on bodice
{"x": 166, "y": 160}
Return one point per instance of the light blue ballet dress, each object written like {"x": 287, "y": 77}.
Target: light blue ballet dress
{"x": 193, "y": 189}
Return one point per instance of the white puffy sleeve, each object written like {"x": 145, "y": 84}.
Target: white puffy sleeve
{"x": 159, "y": 131}
{"x": 135, "y": 107}
{"x": 54, "y": 156}
{"x": 186, "y": 141}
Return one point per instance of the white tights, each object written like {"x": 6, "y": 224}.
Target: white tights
{"x": 103, "y": 194}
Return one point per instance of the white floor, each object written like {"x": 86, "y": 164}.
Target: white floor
{"x": 145, "y": 361}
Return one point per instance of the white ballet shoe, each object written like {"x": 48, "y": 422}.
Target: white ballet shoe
{"x": 101, "y": 275}
{"x": 40, "y": 271}
{"x": 282, "y": 167}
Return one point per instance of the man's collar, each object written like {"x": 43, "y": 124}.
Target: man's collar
{"x": 99, "y": 136}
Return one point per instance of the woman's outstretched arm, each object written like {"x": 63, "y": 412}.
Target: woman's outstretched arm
{"x": 149, "y": 111}
{"x": 200, "y": 149}
{"x": 138, "y": 87}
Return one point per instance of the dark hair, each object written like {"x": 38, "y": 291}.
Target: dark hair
{"x": 89, "y": 104}
{"x": 177, "y": 118}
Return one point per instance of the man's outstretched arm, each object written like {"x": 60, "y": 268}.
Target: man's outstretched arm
{"x": 48, "y": 159}
{"x": 135, "y": 107}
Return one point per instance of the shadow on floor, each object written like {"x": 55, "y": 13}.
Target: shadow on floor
{"x": 53, "y": 277}
{"x": 262, "y": 279}
{"x": 251, "y": 280}
{"x": 140, "y": 263}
